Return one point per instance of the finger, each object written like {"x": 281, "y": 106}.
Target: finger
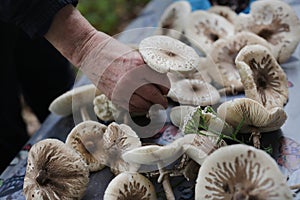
{"x": 164, "y": 90}
{"x": 152, "y": 93}
{"x": 139, "y": 104}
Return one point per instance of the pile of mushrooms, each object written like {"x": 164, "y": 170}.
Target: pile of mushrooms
{"x": 206, "y": 55}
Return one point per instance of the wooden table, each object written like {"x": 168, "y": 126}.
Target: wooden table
{"x": 11, "y": 180}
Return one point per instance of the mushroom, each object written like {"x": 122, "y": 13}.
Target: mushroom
{"x": 262, "y": 77}
{"x": 105, "y": 109}
{"x": 224, "y": 11}
{"x": 240, "y": 172}
{"x": 204, "y": 28}
{"x": 87, "y": 139}
{"x": 193, "y": 92}
{"x": 178, "y": 113}
{"x": 173, "y": 19}
{"x": 275, "y": 21}
{"x": 164, "y": 54}
{"x": 223, "y": 54}
{"x": 54, "y": 171}
{"x": 76, "y": 101}
{"x": 130, "y": 185}
{"x": 252, "y": 117}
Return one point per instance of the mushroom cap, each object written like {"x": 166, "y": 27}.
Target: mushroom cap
{"x": 204, "y": 28}
{"x": 224, "y": 11}
{"x": 253, "y": 114}
{"x": 130, "y": 185}
{"x": 194, "y": 92}
{"x": 277, "y": 22}
{"x": 104, "y": 108}
{"x": 241, "y": 172}
{"x": 54, "y": 171}
{"x": 163, "y": 54}
{"x": 263, "y": 78}
{"x": 178, "y": 113}
{"x": 173, "y": 19}
{"x": 223, "y": 54}
{"x": 83, "y": 95}
{"x": 87, "y": 139}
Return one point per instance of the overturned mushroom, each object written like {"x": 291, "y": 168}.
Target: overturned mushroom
{"x": 130, "y": 185}
{"x": 193, "y": 92}
{"x": 54, "y": 171}
{"x": 241, "y": 172}
{"x": 224, "y": 11}
{"x": 223, "y": 54}
{"x": 87, "y": 139}
{"x": 204, "y": 28}
{"x": 252, "y": 117}
{"x": 164, "y": 54}
{"x": 263, "y": 78}
{"x": 277, "y": 22}
{"x": 173, "y": 19}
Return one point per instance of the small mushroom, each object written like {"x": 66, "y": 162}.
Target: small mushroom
{"x": 75, "y": 101}
{"x": 164, "y": 54}
{"x": 87, "y": 139}
{"x": 104, "y": 108}
{"x": 252, "y": 116}
{"x": 263, "y": 78}
{"x": 241, "y": 172}
{"x": 193, "y": 92}
{"x": 275, "y": 21}
{"x": 130, "y": 185}
{"x": 178, "y": 113}
{"x": 223, "y": 54}
{"x": 204, "y": 28}
{"x": 224, "y": 11}
{"x": 54, "y": 171}
{"x": 173, "y": 19}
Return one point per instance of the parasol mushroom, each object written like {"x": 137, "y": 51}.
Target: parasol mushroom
{"x": 275, "y": 21}
{"x": 241, "y": 172}
{"x": 252, "y": 116}
{"x": 54, "y": 171}
{"x": 263, "y": 78}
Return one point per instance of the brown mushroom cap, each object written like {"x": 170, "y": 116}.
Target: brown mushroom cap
{"x": 54, "y": 171}
{"x": 205, "y": 28}
{"x": 224, "y": 11}
{"x": 223, "y": 54}
{"x": 87, "y": 139}
{"x": 128, "y": 185}
{"x": 263, "y": 78}
{"x": 173, "y": 19}
{"x": 241, "y": 172}
{"x": 163, "y": 54}
{"x": 275, "y": 21}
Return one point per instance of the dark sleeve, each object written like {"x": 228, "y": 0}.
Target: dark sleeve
{"x": 33, "y": 16}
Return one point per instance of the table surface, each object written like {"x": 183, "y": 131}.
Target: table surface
{"x": 285, "y": 142}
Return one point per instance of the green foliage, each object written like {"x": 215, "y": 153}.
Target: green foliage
{"x": 111, "y": 16}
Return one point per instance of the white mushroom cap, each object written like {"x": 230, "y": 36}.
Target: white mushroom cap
{"x": 173, "y": 19}
{"x": 54, "y": 171}
{"x": 83, "y": 95}
{"x": 241, "y": 172}
{"x": 224, "y": 11}
{"x": 104, "y": 108}
{"x": 87, "y": 139}
{"x": 194, "y": 92}
{"x": 223, "y": 54}
{"x": 164, "y": 54}
{"x": 263, "y": 78}
{"x": 255, "y": 115}
{"x": 178, "y": 113}
{"x": 204, "y": 28}
{"x": 129, "y": 185}
{"x": 277, "y": 22}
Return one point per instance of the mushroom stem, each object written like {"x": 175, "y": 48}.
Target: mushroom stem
{"x": 228, "y": 91}
{"x": 164, "y": 179}
{"x": 84, "y": 114}
{"x": 255, "y": 136}
{"x": 295, "y": 187}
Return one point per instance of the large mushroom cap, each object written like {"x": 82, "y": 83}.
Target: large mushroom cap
{"x": 128, "y": 185}
{"x": 263, "y": 78}
{"x": 87, "y": 139}
{"x": 252, "y": 114}
{"x": 54, "y": 171}
{"x": 275, "y": 21}
{"x": 205, "y": 28}
{"x": 241, "y": 172}
{"x": 173, "y": 19}
{"x": 164, "y": 54}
